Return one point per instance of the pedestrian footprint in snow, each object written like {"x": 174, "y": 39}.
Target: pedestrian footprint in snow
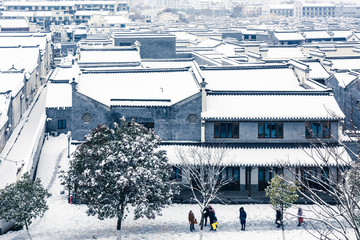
{"x": 192, "y": 221}
{"x": 300, "y": 218}
{"x": 242, "y": 218}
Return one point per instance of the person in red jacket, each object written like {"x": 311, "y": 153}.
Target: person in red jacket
{"x": 192, "y": 221}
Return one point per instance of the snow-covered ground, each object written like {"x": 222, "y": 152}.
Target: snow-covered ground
{"x": 67, "y": 221}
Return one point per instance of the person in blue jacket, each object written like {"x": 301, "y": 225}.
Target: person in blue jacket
{"x": 242, "y": 218}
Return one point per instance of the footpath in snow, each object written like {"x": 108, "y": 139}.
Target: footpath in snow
{"x": 68, "y": 221}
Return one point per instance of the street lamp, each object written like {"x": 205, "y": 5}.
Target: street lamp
{"x": 69, "y": 139}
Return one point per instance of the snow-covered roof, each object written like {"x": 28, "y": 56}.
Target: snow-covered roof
{"x": 116, "y": 19}
{"x": 346, "y": 64}
{"x": 261, "y": 107}
{"x": 123, "y": 56}
{"x": 31, "y": 40}
{"x": 318, "y": 5}
{"x": 288, "y": 36}
{"x": 317, "y": 71}
{"x": 59, "y": 95}
{"x": 344, "y": 79}
{"x": 341, "y": 34}
{"x": 166, "y": 64}
{"x": 80, "y": 32}
{"x": 317, "y": 35}
{"x": 90, "y": 13}
{"x": 266, "y": 156}
{"x": 284, "y": 53}
{"x": 147, "y": 86}
{"x": 14, "y": 23}
{"x": 63, "y": 74}
{"x": 271, "y": 79}
{"x": 11, "y": 81}
{"x": 184, "y": 36}
{"x": 209, "y": 43}
{"x": 28, "y": 60}
{"x": 282, "y": 6}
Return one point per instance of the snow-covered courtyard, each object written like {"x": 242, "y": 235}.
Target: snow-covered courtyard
{"x": 68, "y": 221}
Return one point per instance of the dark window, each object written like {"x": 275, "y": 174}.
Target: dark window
{"x": 270, "y": 130}
{"x": 226, "y": 130}
{"x": 176, "y": 174}
{"x": 62, "y": 124}
{"x": 231, "y": 174}
{"x": 317, "y": 130}
{"x": 125, "y": 44}
{"x": 149, "y": 125}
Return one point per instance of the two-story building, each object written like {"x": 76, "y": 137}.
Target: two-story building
{"x": 264, "y": 114}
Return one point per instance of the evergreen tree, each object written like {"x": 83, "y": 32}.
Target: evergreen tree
{"x": 282, "y": 195}
{"x": 119, "y": 167}
{"x": 23, "y": 201}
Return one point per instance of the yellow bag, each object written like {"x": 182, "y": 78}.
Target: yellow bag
{"x": 215, "y": 225}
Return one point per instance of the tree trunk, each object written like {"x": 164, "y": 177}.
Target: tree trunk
{"x": 120, "y": 216}
{"x": 202, "y": 221}
{"x": 282, "y": 223}
{"x": 27, "y": 230}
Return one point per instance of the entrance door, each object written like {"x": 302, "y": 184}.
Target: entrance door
{"x": 248, "y": 180}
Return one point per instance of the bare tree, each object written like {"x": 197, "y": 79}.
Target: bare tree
{"x": 332, "y": 186}
{"x": 202, "y": 169}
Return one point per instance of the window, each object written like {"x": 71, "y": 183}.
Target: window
{"x": 125, "y": 44}
{"x": 62, "y": 124}
{"x": 176, "y": 174}
{"x": 86, "y": 118}
{"x": 226, "y": 130}
{"x": 317, "y": 130}
{"x": 148, "y": 125}
{"x": 270, "y": 130}
{"x": 192, "y": 118}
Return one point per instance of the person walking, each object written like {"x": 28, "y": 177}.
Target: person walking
{"x": 242, "y": 218}
{"x": 192, "y": 221}
{"x": 300, "y": 217}
{"x": 278, "y": 218}
{"x": 206, "y": 215}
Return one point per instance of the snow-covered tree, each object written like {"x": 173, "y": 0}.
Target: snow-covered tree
{"x": 282, "y": 195}
{"x": 120, "y": 167}
{"x": 23, "y": 201}
{"x": 202, "y": 169}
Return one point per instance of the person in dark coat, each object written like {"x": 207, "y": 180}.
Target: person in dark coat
{"x": 192, "y": 220}
{"x": 278, "y": 218}
{"x": 212, "y": 217}
{"x": 242, "y": 218}
{"x": 300, "y": 218}
{"x": 206, "y": 215}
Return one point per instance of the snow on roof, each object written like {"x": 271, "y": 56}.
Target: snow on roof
{"x": 282, "y": 6}
{"x": 17, "y": 14}
{"x": 166, "y": 64}
{"x": 266, "y": 157}
{"x": 116, "y": 19}
{"x": 14, "y": 23}
{"x": 293, "y": 36}
{"x": 252, "y": 32}
{"x": 346, "y": 64}
{"x": 31, "y": 40}
{"x": 317, "y": 35}
{"x": 11, "y": 81}
{"x": 344, "y": 79}
{"x": 62, "y": 3}
{"x": 261, "y": 107}
{"x": 59, "y": 95}
{"x": 272, "y": 79}
{"x": 28, "y": 60}
{"x": 341, "y": 34}
{"x": 80, "y": 32}
{"x": 154, "y": 86}
{"x": 227, "y": 49}
{"x": 65, "y": 73}
{"x": 284, "y": 53}
{"x": 109, "y": 56}
{"x": 184, "y": 36}
{"x": 318, "y": 5}
{"x": 90, "y": 13}
{"x": 209, "y": 43}
{"x": 317, "y": 70}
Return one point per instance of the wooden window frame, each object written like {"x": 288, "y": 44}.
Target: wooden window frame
{"x": 279, "y": 130}
{"x": 234, "y": 127}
